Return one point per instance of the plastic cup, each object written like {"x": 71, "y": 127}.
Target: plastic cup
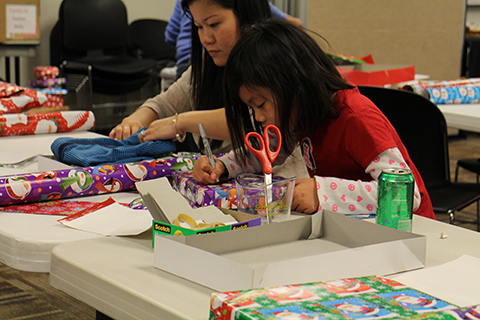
{"x": 251, "y": 190}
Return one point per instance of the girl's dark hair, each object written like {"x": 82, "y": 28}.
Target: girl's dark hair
{"x": 207, "y": 78}
{"x": 284, "y": 59}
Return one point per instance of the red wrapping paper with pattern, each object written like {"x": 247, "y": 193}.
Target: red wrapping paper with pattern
{"x": 46, "y": 72}
{"x": 52, "y": 122}
{"x": 7, "y": 89}
{"x": 55, "y": 101}
{"x": 15, "y": 99}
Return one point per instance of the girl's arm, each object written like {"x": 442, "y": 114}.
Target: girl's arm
{"x": 348, "y": 196}
{"x": 227, "y": 167}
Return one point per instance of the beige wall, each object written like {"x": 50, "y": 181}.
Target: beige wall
{"x": 160, "y": 9}
{"x": 425, "y": 33}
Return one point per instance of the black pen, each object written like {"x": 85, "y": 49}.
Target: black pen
{"x": 208, "y": 151}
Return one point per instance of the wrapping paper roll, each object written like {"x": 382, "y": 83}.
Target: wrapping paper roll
{"x": 447, "y": 91}
{"x": 89, "y": 181}
{"x": 453, "y": 95}
{"x": 38, "y": 123}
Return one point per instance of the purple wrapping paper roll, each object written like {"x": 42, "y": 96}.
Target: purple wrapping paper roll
{"x": 89, "y": 181}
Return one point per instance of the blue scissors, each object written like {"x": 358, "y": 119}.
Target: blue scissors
{"x": 265, "y": 155}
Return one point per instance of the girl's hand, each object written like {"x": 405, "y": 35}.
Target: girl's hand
{"x": 125, "y": 129}
{"x": 203, "y": 172}
{"x": 305, "y": 197}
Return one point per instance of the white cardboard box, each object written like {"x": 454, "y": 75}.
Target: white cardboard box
{"x": 320, "y": 247}
{"x": 20, "y": 23}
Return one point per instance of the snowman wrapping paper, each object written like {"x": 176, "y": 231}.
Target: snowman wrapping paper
{"x": 88, "y": 181}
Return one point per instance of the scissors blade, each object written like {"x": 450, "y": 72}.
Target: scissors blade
{"x": 268, "y": 179}
{"x": 268, "y": 197}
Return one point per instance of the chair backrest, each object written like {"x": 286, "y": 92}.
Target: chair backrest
{"x": 147, "y": 39}
{"x": 422, "y": 128}
{"x": 91, "y": 25}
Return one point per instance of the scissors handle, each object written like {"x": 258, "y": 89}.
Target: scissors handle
{"x": 266, "y": 156}
{"x": 272, "y": 155}
{"x": 260, "y": 153}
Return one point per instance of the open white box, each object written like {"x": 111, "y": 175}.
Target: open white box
{"x": 321, "y": 247}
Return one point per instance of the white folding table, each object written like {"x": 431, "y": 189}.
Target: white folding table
{"x": 115, "y": 275}
{"x": 26, "y": 240}
{"x": 462, "y": 116}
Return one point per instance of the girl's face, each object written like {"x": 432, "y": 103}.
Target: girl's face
{"x": 218, "y": 29}
{"x": 262, "y": 103}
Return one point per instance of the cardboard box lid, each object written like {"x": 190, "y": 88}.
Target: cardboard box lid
{"x": 20, "y": 23}
{"x": 321, "y": 247}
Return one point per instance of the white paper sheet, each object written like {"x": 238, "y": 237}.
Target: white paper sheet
{"x": 457, "y": 282}
{"x": 113, "y": 220}
{"x": 49, "y": 164}
{"x": 11, "y": 157}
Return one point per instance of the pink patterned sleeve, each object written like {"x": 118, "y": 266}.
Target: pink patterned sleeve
{"x": 235, "y": 167}
{"x": 359, "y": 197}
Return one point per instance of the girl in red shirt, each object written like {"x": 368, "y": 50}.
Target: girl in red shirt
{"x": 277, "y": 74}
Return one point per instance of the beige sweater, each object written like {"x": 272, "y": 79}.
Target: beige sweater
{"x": 177, "y": 99}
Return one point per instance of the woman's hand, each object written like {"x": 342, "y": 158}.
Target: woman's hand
{"x": 305, "y": 197}
{"x": 203, "y": 173}
{"x": 161, "y": 129}
{"x": 125, "y": 129}
{"x": 142, "y": 117}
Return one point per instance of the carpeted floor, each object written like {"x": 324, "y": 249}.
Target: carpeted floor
{"x": 466, "y": 147}
{"x": 27, "y": 295}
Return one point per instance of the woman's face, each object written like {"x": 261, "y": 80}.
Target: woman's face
{"x": 218, "y": 29}
{"x": 262, "y": 103}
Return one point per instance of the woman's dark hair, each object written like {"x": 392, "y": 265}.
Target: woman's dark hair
{"x": 207, "y": 78}
{"x": 284, "y": 59}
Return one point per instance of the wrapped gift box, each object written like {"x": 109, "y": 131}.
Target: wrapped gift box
{"x": 350, "y": 298}
{"x": 16, "y": 99}
{"x": 55, "y": 97}
{"x": 222, "y": 195}
{"x": 377, "y": 74}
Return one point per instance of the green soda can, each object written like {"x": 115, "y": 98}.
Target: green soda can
{"x": 395, "y": 199}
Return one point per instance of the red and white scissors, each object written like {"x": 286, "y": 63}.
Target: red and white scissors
{"x": 265, "y": 154}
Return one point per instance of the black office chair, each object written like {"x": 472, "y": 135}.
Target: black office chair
{"x": 472, "y": 165}
{"x": 423, "y": 130}
{"x": 147, "y": 40}
{"x": 91, "y": 39}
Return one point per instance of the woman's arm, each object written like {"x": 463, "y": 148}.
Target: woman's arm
{"x": 176, "y": 99}
{"x": 213, "y": 121}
